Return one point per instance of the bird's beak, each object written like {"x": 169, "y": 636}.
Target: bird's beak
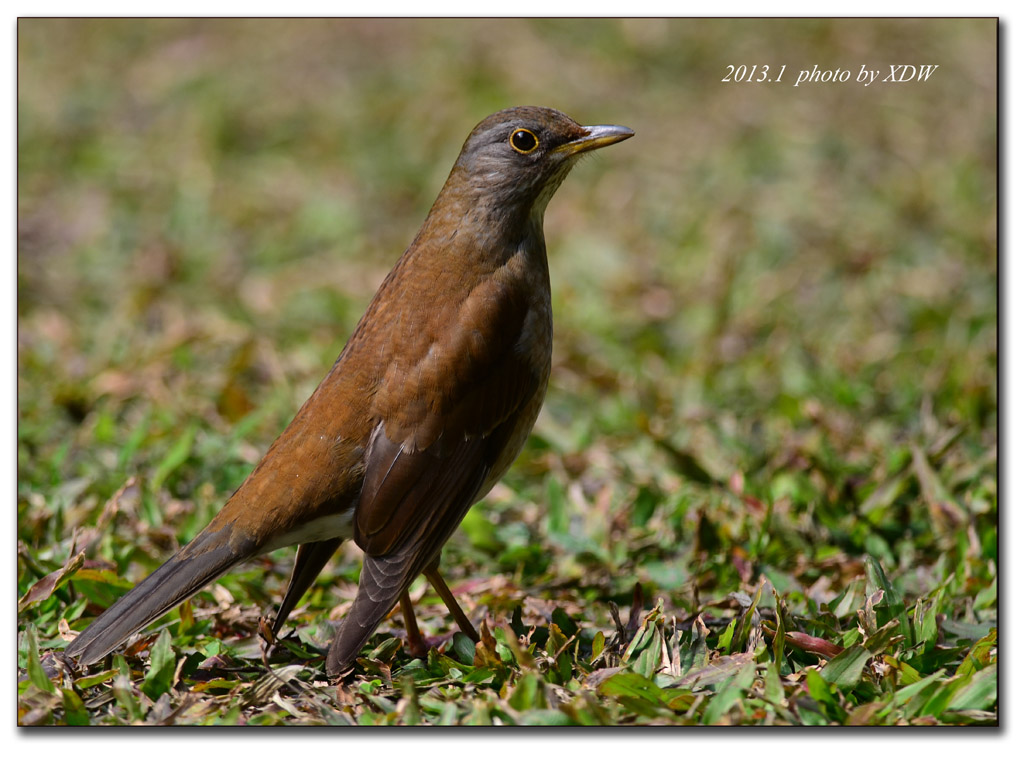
{"x": 598, "y": 136}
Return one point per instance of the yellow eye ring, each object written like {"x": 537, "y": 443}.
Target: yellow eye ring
{"x": 523, "y": 141}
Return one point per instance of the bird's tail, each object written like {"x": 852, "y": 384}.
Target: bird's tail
{"x": 199, "y": 563}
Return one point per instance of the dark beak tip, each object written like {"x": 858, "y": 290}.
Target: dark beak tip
{"x": 610, "y": 131}
{"x": 598, "y": 136}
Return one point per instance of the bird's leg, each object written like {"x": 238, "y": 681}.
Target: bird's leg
{"x": 417, "y": 646}
{"x": 433, "y": 574}
{"x": 309, "y": 560}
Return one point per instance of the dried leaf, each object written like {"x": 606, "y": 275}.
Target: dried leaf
{"x": 42, "y": 589}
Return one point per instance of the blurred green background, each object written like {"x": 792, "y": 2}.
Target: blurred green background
{"x": 775, "y": 307}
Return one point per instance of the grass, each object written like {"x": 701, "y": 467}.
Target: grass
{"x": 763, "y": 490}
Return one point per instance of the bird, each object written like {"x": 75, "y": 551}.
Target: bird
{"x": 428, "y": 404}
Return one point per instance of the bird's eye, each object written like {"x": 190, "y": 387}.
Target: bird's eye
{"x": 523, "y": 141}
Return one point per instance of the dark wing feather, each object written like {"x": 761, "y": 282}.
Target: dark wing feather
{"x": 425, "y": 497}
{"x": 454, "y": 406}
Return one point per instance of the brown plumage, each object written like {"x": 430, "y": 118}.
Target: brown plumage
{"x": 425, "y": 409}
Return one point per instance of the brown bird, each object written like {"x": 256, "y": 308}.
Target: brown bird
{"x": 425, "y": 409}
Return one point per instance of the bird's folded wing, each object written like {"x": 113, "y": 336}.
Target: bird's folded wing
{"x": 418, "y": 501}
{"x": 445, "y": 419}
{"x": 433, "y": 452}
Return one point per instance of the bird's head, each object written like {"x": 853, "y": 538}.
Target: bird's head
{"x": 515, "y": 159}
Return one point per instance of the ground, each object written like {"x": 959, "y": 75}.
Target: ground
{"x": 763, "y": 489}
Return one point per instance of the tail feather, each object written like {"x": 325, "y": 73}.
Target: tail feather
{"x": 192, "y": 568}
